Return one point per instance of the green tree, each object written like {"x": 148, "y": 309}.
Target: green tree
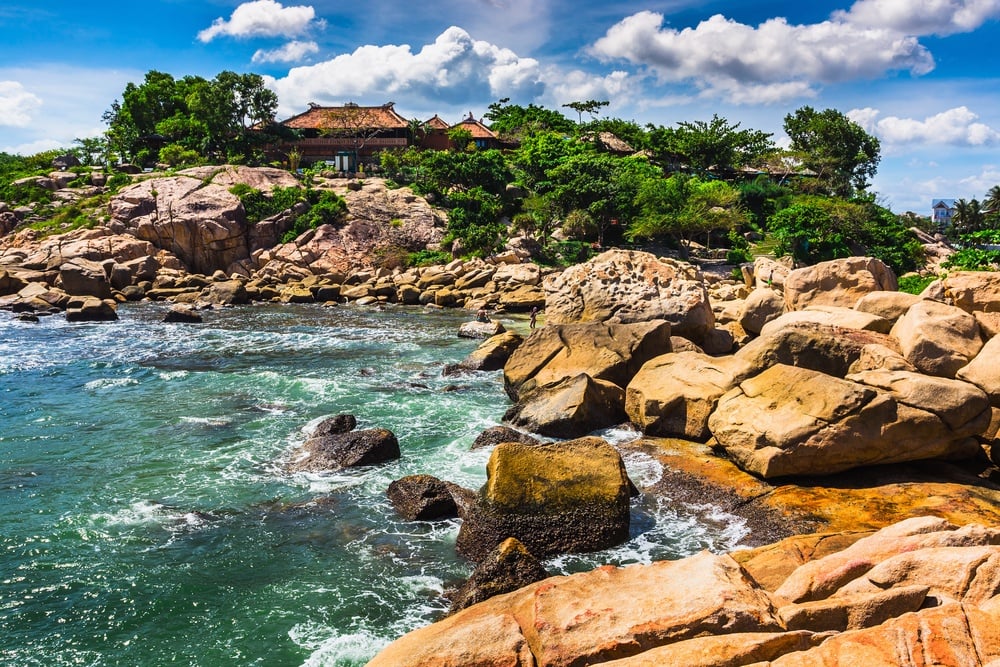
{"x": 513, "y": 121}
{"x": 540, "y": 152}
{"x": 591, "y": 107}
{"x": 968, "y": 217}
{"x": 844, "y": 156}
{"x": 714, "y": 145}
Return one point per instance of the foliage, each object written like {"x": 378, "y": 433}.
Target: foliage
{"x": 760, "y": 198}
{"x": 213, "y": 118}
{"x": 461, "y": 139}
{"x": 739, "y": 248}
{"x": 428, "y": 258}
{"x": 65, "y": 218}
{"x": 591, "y": 107}
{"x": 259, "y": 205}
{"x": 473, "y": 220}
{"x": 441, "y": 171}
{"x": 682, "y": 206}
{"x": 566, "y": 253}
{"x": 716, "y": 145}
{"x": 516, "y": 122}
{"x": 175, "y": 155}
{"x": 117, "y": 181}
{"x": 844, "y": 156}
{"x": 541, "y": 152}
{"x": 914, "y": 284}
{"x": 973, "y": 259}
{"x": 967, "y": 219}
{"x": 806, "y": 231}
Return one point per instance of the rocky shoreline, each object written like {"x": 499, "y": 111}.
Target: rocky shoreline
{"x": 816, "y": 400}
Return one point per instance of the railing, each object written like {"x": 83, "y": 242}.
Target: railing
{"x": 352, "y": 144}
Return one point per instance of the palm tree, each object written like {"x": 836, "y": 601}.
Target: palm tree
{"x": 968, "y": 217}
{"x": 992, "y": 202}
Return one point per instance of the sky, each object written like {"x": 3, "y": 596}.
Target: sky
{"x": 923, "y": 76}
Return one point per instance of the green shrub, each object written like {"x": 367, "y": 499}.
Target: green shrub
{"x": 973, "y": 259}
{"x": 428, "y": 258}
{"x": 118, "y": 181}
{"x": 914, "y": 284}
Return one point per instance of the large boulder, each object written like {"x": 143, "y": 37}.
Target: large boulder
{"x": 344, "y": 450}
{"x": 569, "y": 408}
{"x": 560, "y": 497}
{"x": 937, "y": 338}
{"x": 507, "y": 568}
{"x": 422, "y": 498}
{"x": 92, "y": 309}
{"x": 82, "y": 277}
{"x": 493, "y": 353}
{"x": 795, "y": 421}
{"x": 887, "y": 305}
{"x": 496, "y": 434}
{"x": 226, "y": 293}
{"x": 760, "y": 307}
{"x": 838, "y": 282}
{"x": 631, "y": 286}
{"x": 984, "y": 370}
{"x": 605, "y": 351}
{"x": 973, "y": 291}
{"x": 674, "y": 394}
{"x": 821, "y": 347}
{"x": 837, "y": 316}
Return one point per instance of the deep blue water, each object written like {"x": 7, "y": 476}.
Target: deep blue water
{"x": 146, "y": 517}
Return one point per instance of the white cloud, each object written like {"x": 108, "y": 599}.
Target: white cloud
{"x": 453, "y": 70}
{"x": 262, "y": 18}
{"x": 619, "y": 88}
{"x": 772, "y": 62}
{"x": 955, "y": 127}
{"x": 291, "y": 52}
{"x": 17, "y": 105}
{"x": 921, "y": 17}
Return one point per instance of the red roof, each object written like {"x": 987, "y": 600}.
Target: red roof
{"x": 349, "y": 116}
{"x": 478, "y": 130}
{"x": 436, "y": 123}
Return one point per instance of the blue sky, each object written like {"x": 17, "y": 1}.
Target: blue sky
{"x": 921, "y": 75}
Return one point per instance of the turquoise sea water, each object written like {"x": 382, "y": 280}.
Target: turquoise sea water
{"x": 146, "y": 517}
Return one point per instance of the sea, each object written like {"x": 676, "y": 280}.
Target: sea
{"x": 147, "y": 515}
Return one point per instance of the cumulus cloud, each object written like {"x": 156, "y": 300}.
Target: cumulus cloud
{"x": 772, "y": 62}
{"x": 291, "y": 52}
{"x": 263, "y": 18}
{"x": 454, "y": 69}
{"x": 921, "y": 17}
{"x": 955, "y": 127}
{"x": 618, "y": 87}
{"x": 17, "y": 105}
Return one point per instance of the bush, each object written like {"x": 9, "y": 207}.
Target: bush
{"x": 328, "y": 208}
{"x": 118, "y": 181}
{"x": 428, "y": 258}
{"x": 914, "y": 284}
{"x": 176, "y": 155}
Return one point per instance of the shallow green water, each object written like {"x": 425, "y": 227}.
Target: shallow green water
{"x": 147, "y": 518}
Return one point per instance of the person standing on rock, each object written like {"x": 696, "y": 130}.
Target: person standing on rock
{"x": 534, "y": 317}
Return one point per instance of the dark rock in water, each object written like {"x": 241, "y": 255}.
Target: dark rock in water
{"x": 497, "y": 434}
{"x": 560, "y": 497}
{"x": 507, "y": 568}
{"x": 464, "y": 498}
{"x": 27, "y": 317}
{"x": 345, "y": 450}
{"x": 422, "y": 498}
{"x": 182, "y": 313}
{"x": 334, "y": 425}
{"x": 92, "y": 309}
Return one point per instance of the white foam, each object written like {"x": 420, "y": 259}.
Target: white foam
{"x": 109, "y": 383}
{"x": 336, "y": 650}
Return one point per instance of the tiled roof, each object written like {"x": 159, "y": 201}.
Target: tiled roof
{"x": 436, "y": 123}
{"x": 347, "y": 117}
{"x": 478, "y": 130}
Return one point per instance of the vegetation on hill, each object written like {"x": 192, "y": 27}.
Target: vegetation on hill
{"x": 708, "y": 188}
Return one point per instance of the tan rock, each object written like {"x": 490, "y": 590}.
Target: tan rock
{"x": 675, "y": 393}
{"x": 962, "y": 406}
{"x": 838, "y": 316}
{"x": 973, "y": 290}
{"x": 493, "y": 353}
{"x": 760, "y": 307}
{"x": 569, "y": 408}
{"x": 949, "y": 635}
{"x": 887, "y": 305}
{"x": 631, "y": 286}
{"x": 936, "y": 338}
{"x": 950, "y": 574}
{"x": 522, "y": 298}
{"x": 614, "y": 612}
{"x": 853, "y": 609}
{"x": 84, "y": 277}
{"x": 772, "y": 273}
{"x": 984, "y": 371}
{"x": 730, "y": 650}
{"x": 821, "y": 347}
{"x": 820, "y": 578}
{"x": 839, "y": 282}
{"x": 879, "y": 357}
{"x": 605, "y": 351}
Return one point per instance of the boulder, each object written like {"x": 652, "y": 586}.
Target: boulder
{"x": 760, "y": 307}
{"x": 82, "y": 277}
{"x": 631, "y": 286}
{"x": 569, "y": 408}
{"x": 560, "y": 497}
{"x": 422, "y": 498}
{"x": 837, "y": 316}
{"x": 183, "y": 313}
{"x": 518, "y": 298}
{"x": 342, "y": 423}
{"x": 92, "y": 309}
{"x": 770, "y": 273}
{"x": 507, "y": 568}
{"x": 344, "y": 450}
{"x": 10, "y": 283}
{"x": 887, "y": 305}
{"x": 984, "y": 370}
{"x": 973, "y": 291}
{"x": 493, "y": 353}
{"x": 852, "y": 611}
{"x": 795, "y": 421}
{"x": 727, "y": 650}
{"x": 496, "y": 434}
{"x": 937, "y": 338}
{"x": 674, "y": 394}
{"x": 226, "y": 293}
{"x": 838, "y": 282}
{"x": 825, "y": 348}
{"x": 605, "y": 351}
{"x": 479, "y": 329}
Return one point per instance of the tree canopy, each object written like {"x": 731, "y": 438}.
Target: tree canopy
{"x": 844, "y": 156}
